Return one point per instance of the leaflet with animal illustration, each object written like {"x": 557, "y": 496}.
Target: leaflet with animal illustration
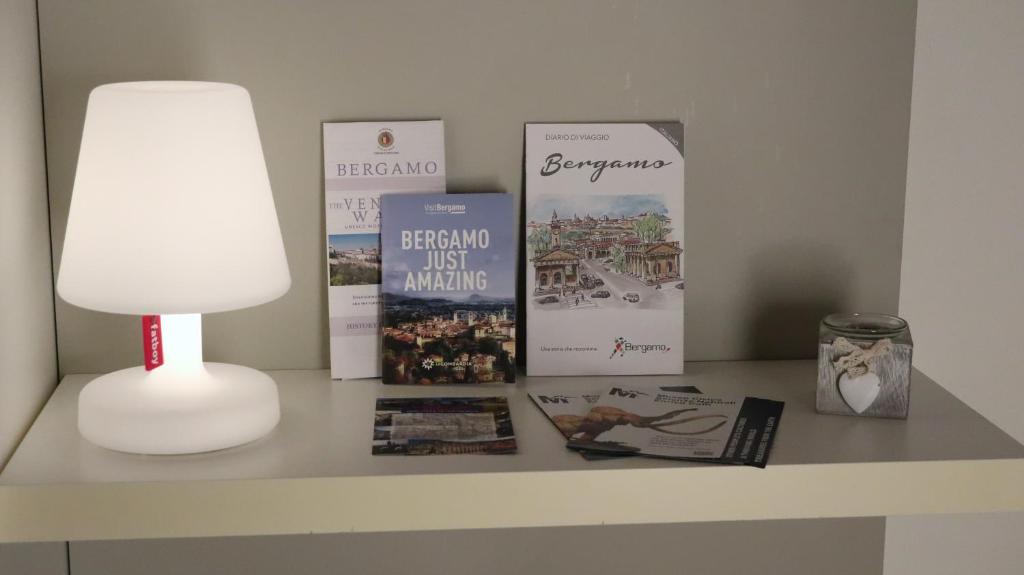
{"x": 363, "y": 160}
{"x": 679, "y": 425}
{"x": 604, "y": 249}
{"x": 567, "y": 411}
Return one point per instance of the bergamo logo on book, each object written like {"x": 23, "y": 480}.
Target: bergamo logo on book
{"x": 621, "y": 346}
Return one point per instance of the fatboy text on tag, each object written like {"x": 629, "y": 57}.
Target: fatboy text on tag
{"x": 152, "y": 342}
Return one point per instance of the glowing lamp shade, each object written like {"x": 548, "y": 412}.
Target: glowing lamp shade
{"x": 172, "y": 215}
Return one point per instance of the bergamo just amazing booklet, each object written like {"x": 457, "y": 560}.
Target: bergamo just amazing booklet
{"x": 449, "y": 289}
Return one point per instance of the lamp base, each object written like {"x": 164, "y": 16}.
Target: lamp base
{"x": 165, "y": 412}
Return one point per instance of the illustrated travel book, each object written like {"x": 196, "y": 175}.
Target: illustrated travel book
{"x": 449, "y": 289}
{"x": 679, "y": 425}
{"x": 604, "y": 249}
{"x": 443, "y": 426}
{"x": 362, "y": 161}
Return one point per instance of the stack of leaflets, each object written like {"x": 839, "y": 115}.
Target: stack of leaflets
{"x": 667, "y": 423}
{"x": 443, "y": 426}
{"x": 567, "y": 411}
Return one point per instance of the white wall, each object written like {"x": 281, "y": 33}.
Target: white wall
{"x": 963, "y": 254}
{"x": 28, "y": 353}
{"x": 28, "y": 362}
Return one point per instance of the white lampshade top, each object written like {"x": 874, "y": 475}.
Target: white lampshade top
{"x": 172, "y": 210}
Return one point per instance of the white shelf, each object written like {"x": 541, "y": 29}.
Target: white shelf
{"x": 315, "y": 474}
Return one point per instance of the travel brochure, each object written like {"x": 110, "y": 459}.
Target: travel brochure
{"x": 443, "y": 426}
{"x": 362, "y": 161}
{"x": 604, "y": 249}
{"x": 567, "y": 410}
{"x": 679, "y": 425}
{"x": 449, "y": 289}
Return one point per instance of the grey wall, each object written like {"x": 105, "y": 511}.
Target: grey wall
{"x": 837, "y": 547}
{"x": 33, "y": 558}
{"x": 796, "y": 113}
{"x": 963, "y": 253}
{"x": 28, "y": 356}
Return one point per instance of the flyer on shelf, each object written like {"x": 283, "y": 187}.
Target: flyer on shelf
{"x": 363, "y": 160}
{"x": 567, "y": 410}
{"x": 679, "y": 425}
{"x": 443, "y": 426}
{"x": 604, "y": 249}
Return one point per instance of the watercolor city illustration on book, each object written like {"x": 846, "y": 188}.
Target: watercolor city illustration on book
{"x": 599, "y": 252}
{"x": 449, "y": 290}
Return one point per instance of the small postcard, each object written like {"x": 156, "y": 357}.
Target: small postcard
{"x": 443, "y": 426}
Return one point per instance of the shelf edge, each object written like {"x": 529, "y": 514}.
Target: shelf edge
{"x": 501, "y": 500}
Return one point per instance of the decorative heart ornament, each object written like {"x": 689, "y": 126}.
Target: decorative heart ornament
{"x": 861, "y": 391}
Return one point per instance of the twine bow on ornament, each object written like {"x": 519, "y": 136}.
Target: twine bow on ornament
{"x": 855, "y": 359}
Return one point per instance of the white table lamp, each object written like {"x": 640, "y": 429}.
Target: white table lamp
{"x": 172, "y": 215}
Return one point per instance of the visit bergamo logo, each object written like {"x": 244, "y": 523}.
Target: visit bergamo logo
{"x": 621, "y": 346}
{"x": 441, "y": 208}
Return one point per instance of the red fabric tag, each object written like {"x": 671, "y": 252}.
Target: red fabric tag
{"x": 152, "y": 342}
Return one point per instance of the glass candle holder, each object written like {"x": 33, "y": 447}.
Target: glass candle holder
{"x": 864, "y": 362}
